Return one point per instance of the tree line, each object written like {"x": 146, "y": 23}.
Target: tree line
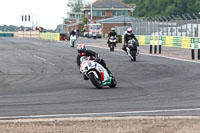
{"x": 145, "y": 8}
{"x": 12, "y": 28}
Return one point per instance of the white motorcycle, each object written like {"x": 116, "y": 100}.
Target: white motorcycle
{"x": 112, "y": 43}
{"x": 132, "y": 49}
{"x": 72, "y": 40}
{"x": 97, "y": 74}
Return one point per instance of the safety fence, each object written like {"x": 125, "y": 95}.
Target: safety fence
{"x": 172, "y": 25}
{"x": 169, "y": 41}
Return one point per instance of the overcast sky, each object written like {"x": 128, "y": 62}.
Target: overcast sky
{"x": 50, "y": 13}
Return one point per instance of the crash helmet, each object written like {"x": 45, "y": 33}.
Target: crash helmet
{"x": 113, "y": 29}
{"x": 129, "y": 30}
{"x": 81, "y": 49}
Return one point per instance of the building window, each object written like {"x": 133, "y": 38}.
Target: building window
{"x": 120, "y": 13}
{"x": 103, "y": 13}
{"x": 97, "y": 13}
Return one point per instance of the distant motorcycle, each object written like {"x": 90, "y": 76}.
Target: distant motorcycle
{"x": 132, "y": 49}
{"x": 72, "y": 40}
{"x": 112, "y": 43}
{"x": 96, "y": 73}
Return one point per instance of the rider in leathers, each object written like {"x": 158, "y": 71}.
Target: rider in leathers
{"x": 93, "y": 55}
{"x": 128, "y": 36}
{"x": 112, "y": 33}
{"x": 72, "y": 32}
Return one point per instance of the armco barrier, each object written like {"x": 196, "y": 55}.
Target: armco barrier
{"x": 50, "y": 36}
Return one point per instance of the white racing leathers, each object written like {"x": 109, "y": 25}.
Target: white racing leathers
{"x": 72, "y": 40}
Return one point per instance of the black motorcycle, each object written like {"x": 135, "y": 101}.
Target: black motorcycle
{"x": 112, "y": 43}
{"x": 132, "y": 49}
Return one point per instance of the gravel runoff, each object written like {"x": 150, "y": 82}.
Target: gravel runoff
{"x": 135, "y": 124}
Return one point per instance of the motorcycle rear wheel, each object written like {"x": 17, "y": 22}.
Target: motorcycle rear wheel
{"x": 113, "y": 83}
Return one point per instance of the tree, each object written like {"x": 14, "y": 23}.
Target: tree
{"x": 170, "y": 10}
{"x": 75, "y": 5}
{"x": 164, "y": 7}
{"x": 83, "y": 24}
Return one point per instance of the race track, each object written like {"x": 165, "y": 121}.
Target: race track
{"x": 40, "y": 78}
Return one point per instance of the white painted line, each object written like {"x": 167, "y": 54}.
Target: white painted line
{"x": 44, "y": 60}
{"x": 102, "y": 114}
{"x": 172, "y": 58}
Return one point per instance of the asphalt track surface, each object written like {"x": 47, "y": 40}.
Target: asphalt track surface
{"x": 40, "y": 78}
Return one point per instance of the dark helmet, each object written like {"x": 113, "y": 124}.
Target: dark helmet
{"x": 81, "y": 48}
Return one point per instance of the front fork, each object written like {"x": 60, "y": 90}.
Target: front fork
{"x": 129, "y": 53}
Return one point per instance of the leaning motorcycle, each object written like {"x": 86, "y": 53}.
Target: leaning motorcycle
{"x": 72, "y": 40}
{"x": 112, "y": 43}
{"x": 132, "y": 49}
{"x": 96, "y": 73}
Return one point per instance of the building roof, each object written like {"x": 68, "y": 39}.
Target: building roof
{"x": 75, "y": 13}
{"x": 108, "y": 4}
{"x": 118, "y": 19}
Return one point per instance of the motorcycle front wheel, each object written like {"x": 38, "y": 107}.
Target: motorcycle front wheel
{"x": 95, "y": 81}
{"x": 133, "y": 54}
{"x": 112, "y": 45}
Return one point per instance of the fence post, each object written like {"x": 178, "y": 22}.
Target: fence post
{"x": 156, "y": 44}
{"x": 151, "y": 43}
{"x": 192, "y": 48}
{"x": 199, "y": 49}
{"x": 160, "y": 44}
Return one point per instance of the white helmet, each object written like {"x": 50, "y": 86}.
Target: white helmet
{"x": 129, "y": 30}
{"x": 113, "y": 29}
